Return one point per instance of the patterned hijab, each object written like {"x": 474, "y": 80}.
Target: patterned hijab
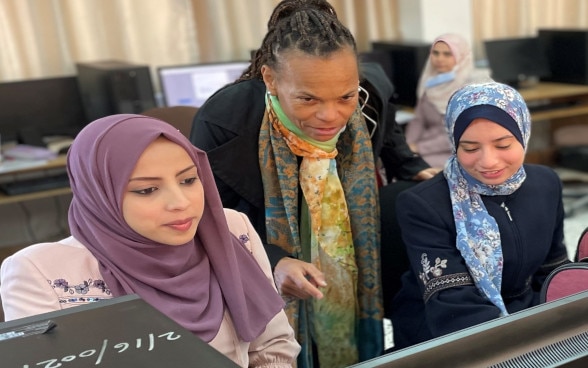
{"x": 191, "y": 283}
{"x": 439, "y": 87}
{"x": 478, "y": 236}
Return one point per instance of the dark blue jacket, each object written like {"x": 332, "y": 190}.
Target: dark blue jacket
{"x": 531, "y": 229}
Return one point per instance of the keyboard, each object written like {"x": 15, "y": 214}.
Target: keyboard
{"x": 36, "y": 184}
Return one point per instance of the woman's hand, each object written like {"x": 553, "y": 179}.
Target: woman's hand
{"x": 427, "y": 173}
{"x": 298, "y": 279}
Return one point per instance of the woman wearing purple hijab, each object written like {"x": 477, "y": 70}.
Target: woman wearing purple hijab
{"x": 146, "y": 219}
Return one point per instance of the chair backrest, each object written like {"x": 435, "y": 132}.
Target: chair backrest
{"x": 180, "y": 117}
{"x": 571, "y": 147}
{"x": 571, "y": 278}
{"x": 582, "y": 248}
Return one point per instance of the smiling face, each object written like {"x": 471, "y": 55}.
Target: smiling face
{"x": 164, "y": 199}
{"x": 317, "y": 93}
{"x": 442, "y": 59}
{"x": 489, "y": 152}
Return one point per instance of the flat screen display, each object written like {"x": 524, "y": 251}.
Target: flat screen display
{"x": 191, "y": 85}
{"x": 43, "y": 107}
{"x": 516, "y": 61}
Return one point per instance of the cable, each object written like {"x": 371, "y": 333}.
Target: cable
{"x": 363, "y": 104}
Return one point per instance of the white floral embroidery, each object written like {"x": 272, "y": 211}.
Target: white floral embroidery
{"x": 431, "y": 271}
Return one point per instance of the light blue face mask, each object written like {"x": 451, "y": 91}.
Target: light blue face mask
{"x": 440, "y": 79}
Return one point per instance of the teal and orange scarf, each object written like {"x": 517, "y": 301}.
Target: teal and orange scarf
{"x": 336, "y": 228}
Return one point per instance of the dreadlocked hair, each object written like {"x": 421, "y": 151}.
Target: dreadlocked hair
{"x": 286, "y": 7}
{"x": 310, "y": 26}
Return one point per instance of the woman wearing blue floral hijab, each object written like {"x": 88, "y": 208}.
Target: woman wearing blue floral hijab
{"x": 483, "y": 235}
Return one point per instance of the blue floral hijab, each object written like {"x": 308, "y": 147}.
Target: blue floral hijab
{"x": 478, "y": 236}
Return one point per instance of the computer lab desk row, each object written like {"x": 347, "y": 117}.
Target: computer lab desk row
{"x": 556, "y": 105}
{"x": 24, "y": 169}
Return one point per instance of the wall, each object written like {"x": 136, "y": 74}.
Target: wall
{"x": 424, "y": 20}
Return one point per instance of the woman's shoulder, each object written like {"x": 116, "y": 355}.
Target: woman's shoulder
{"x": 64, "y": 259}
{"x": 66, "y": 247}
{"x": 246, "y": 102}
{"x": 434, "y": 191}
{"x": 431, "y": 187}
{"x": 238, "y": 222}
{"x": 239, "y": 89}
{"x": 234, "y": 218}
{"x": 539, "y": 173}
{"x": 536, "y": 169}
{"x": 242, "y": 97}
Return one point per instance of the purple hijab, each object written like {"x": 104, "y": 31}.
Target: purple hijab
{"x": 190, "y": 283}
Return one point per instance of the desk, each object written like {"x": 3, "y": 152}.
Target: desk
{"x": 560, "y": 104}
{"x": 56, "y": 163}
{"x": 555, "y": 96}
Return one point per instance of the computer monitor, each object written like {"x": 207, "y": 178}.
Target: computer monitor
{"x": 553, "y": 334}
{"x": 408, "y": 60}
{"x": 567, "y": 52}
{"x": 517, "y": 61}
{"x": 40, "y": 107}
{"x": 191, "y": 85}
{"x": 379, "y": 57}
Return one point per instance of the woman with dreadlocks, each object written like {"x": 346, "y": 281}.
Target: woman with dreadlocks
{"x": 290, "y": 147}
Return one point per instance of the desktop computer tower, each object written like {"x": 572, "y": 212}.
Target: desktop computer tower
{"x": 408, "y": 60}
{"x": 114, "y": 87}
{"x": 567, "y": 54}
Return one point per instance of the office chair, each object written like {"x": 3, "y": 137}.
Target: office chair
{"x": 180, "y": 117}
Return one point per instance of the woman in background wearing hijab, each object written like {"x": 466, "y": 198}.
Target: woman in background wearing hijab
{"x": 450, "y": 66}
{"x": 482, "y": 237}
{"x": 146, "y": 219}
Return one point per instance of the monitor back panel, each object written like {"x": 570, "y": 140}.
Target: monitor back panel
{"x": 552, "y": 334}
{"x": 116, "y": 333}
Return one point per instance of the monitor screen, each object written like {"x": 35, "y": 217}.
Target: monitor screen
{"x": 516, "y": 61}
{"x": 553, "y": 334}
{"x": 567, "y": 52}
{"x": 44, "y": 107}
{"x": 408, "y": 60}
{"x": 191, "y": 85}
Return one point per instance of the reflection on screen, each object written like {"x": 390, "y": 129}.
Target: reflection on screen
{"x": 191, "y": 85}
